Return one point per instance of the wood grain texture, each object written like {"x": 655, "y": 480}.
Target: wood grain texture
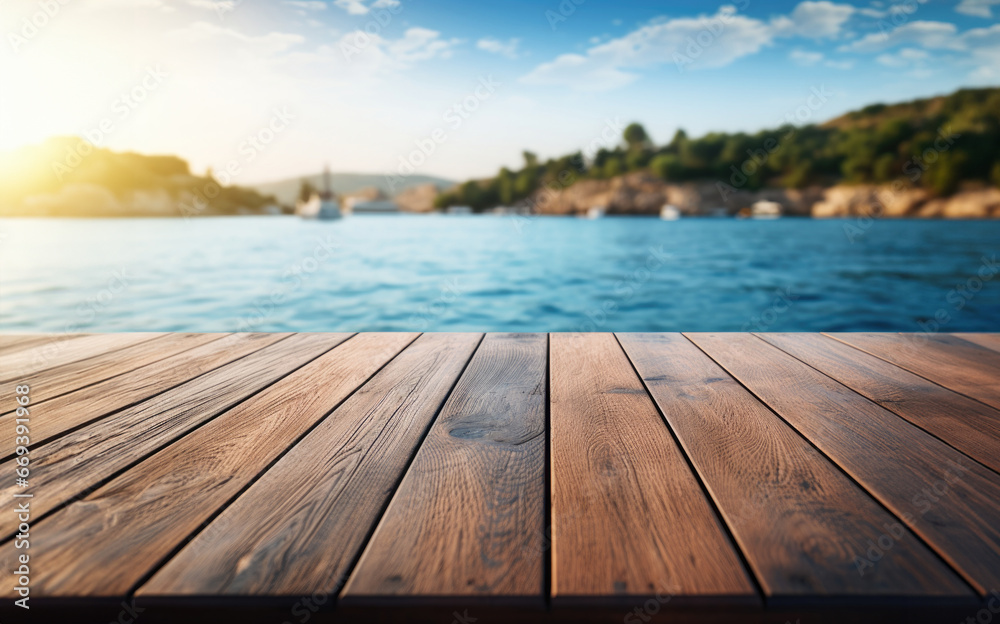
{"x": 798, "y": 519}
{"x": 63, "y": 413}
{"x": 968, "y": 425}
{"x": 467, "y": 519}
{"x": 298, "y": 528}
{"x": 46, "y": 385}
{"x": 69, "y": 466}
{"x": 988, "y": 341}
{"x": 951, "y": 502}
{"x": 622, "y": 492}
{"x": 158, "y": 503}
{"x": 948, "y": 361}
{"x": 60, "y": 351}
{"x": 9, "y": 343}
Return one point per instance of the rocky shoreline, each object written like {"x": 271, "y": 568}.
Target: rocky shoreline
{"x": 644, "y": 194}
{"x": 636, "y": 193}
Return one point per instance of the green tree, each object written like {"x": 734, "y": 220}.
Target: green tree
{"x": 667, "y": 167}
{"x": 635, "y": 137}
{"x": 613, "y": 167}
{"x": 945, "y": 175}
{"x": 524, "y": 184}
{"x": 637, "y": 159}
{"x": 505, "y": 187}
{"x": 885, "y": 168}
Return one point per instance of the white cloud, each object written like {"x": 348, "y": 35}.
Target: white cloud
{"x": 504, "y": 48}
{"x": 903, "y": 58}
{"x": 804, "y": 58}
{"x": 270, "y": 43}
{"x": 839, "y": 64}
{"x": 977, "y": 8}
{"x": 934, "y": 35}
{"x": 113, "y": 5}
{"x": 690, "y": 42}
{"x": 306, "y": 5}
{"x": 876, "y": 13}
{"x": 580, "y": 73}
{"x": 354, "y": 7}
{"x": 420, "y": 44}
{"x": 712, "y": 41}
{"x": 360, "y": 7}
{"x": 373, "y": 54}
{"x": 810, "y": 59}
{"x": 984, "y": 46}
{"x": 979, "y": 47}
{"x": 219, "y": 6}
{"x": 817, "y": 20}
{"x": 706, "y": 41}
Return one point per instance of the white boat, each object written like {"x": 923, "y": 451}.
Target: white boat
{"x": 670, "y": 212}
{"x": 764, "y": 209}
{"x": 595, "y": 212}
{"x": 321, "y": 205}
{"x": 459, "y": 210}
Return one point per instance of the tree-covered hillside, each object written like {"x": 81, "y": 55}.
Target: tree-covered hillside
{"x": 935, "y": 143}
{"x": 70, "y": 177}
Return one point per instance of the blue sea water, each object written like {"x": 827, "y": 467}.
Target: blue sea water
{"x": 450, "y": 273}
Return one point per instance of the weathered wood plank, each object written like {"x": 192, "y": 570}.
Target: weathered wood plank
{"x": 988, "y": 341}
{"x": 64, "y": 413}
{"x": 951, "y": 502}
{"x": 9, "y": 343}
{"x": 629, "y": 519}
{"x": 798, "y": 519}
{"x": 968, "y": 425}
{"x": 158, "y": 503}
{"x": 298, "y": 528}
{"x": 55, "y": 382}
{"x": 467, "y": 519}
{"x": 951, "y": 362}
{"x": 19, "y": 364}
{"x": 68, "y": 466}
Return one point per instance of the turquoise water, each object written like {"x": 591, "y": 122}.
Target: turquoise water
{"x": 444, "y": 273}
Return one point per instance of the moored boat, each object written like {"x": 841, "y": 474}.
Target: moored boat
{"x": 670, "y": 212}
{"x": 321, "y": 204}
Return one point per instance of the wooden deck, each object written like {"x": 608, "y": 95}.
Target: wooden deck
{"x": 505, "y": 477}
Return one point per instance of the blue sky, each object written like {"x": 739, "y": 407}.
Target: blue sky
{"x": 365, "y": 83}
